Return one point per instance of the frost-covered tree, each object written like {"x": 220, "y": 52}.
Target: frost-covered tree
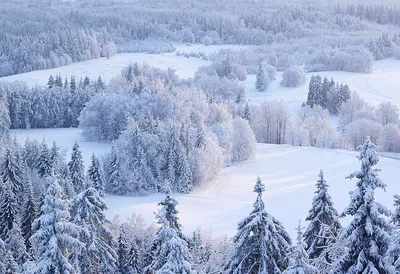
{"x": 55, "y": 236}
{"x": 114, "y": 183}
{"x": 389, "y": 138}
{"x": 367, "y": 237}
{"x": 298, "y": 257}
{"x": 262, "y": 80}
{"x": 16, "y": 244}
{"x": 95, "y": 175}
{"x": 10, "y": 265}
{"x": 28, "y": 215}
{"x": 244, "y": 141}
{"x": 314, "y": 91}
{"x": 173, "y": 255}
{"x": 260, "y": 243}
{"x": 387, "y": 113}
{"x": 179, "y": 174}
{"x": 322, "y": 217}
{"x": 44, "y": 164}
{"x": 293, "y": 77}
{"x": 77, "y": 169}
{"x": 9, "y": 209}
{"x": 87, "y": 212}
{"x": 12, "y": 172}
{"x": 123, "y": 251}
{"x": 393, "y": 253}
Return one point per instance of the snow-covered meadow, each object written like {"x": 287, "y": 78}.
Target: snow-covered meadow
{"x": 289, "y": 173}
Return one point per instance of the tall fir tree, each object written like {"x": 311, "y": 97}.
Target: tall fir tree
{"x": 114, "y": 183}
{"x": 298, "y": 257}
{"x": 393, "y": 254}
{"x": 50, "y": 82}
{"x": 367, "y": 236}
{"x": 87, "y": 212}
{"x": 262, "y": 80}
{"x": 28, "y": 215}
{"x": 55, "y": 237}
{"x": 260, "y": 243}
{"x": 11, "y": 171}
{"x": 16, "y": 244}
{"x": 323, "y": 219}
{"x": 10, "y": 265}
{"x": 44, "y": 164}
{"x": 9, "y": 209}
{"x": 77, "y": 169}
{"x": 123, "y": 251}
{"x": 314, "y": 91}
{"x": 95, "y": 175}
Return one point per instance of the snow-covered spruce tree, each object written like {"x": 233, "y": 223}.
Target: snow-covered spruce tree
{"x": 298, "y": 257}
{"x": 321, "y": 216}
{"x": 173, "y": 255}
{"x": 10, "y": 265}
{"x": 114, "y": 183}
{"x": 393, "y": 254}
{"x": 16, "y": 244}
{"x": 8, "y": 209}
{"x": 98, "y": 256}
{"x": 178, "y": 169}
{"x": 55, "y": 157}
{"x": 54, "y": 237}
{"x": 28, "y": 215}
{"x": 314, "y": 91}
{"x": 367, "y": 236}
{"x": 123, "y": 251}
{"x": 260, "y": 243}
{"x": 44, "y": 164}
{"x": 95, "y": 176}
{"x": 12, "y": 172}
{"x": 77, "y": 170}
{"x": 262, "y": 80}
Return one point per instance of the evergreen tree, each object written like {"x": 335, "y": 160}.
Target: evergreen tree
{"x": 247, "y": 113}
{"x": 86, "y": 82}
{"x": 55, "y": 158}
{"x": 95, "y": 176}
{"x": 44, "y": 164}
{"x": 367, "y": 236}
{"x": 260, "y": 243}
{"x": 87, "y": 212}
{"x": 72, "y": 84}
{"x": 129, "y": 76}
{"x": 54, "y": 237}
{"x": 66, "y": 84}
{"x": 16, "y": 244}
{"x": 393, "y": 254}
{"x": 114, "y": 183}
{"x": 58, "y": 81}
{"x": 133, "y": 258}
{"x": 28, "y": 215}
{"x": 321, "y": 216}
{"x": 200, "y": 141}
{"x": 325, "y": 89}
{"x": 8, "y": 209}
{"x": 11, "y": 267}
{"x": 168, "y": 212}
{"x": 100, "y": 85}
{"x": 77, "y": 169}
{"x": 11, "y": 171}
{"x": 173, "y": 256}
{"x": 315, "y": 91}
{"x": 123, "y": 251}
{"x": 50, "y": 82}
{"x": 262, "y": 80}
{"x": 298, "y": 258}
{"x": 136, "y": 70}
{"x": 178, "y": 169}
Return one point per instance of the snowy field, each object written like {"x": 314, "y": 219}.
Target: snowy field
{"x": 289, "y": 174}
{"x": 108, "y": 68}
{"x": 381, "y": 85}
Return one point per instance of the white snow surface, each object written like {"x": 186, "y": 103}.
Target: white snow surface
{"x": 381, "y": 85}
{"x": 289, "y": 174}
{"x": 109, "y": 68}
